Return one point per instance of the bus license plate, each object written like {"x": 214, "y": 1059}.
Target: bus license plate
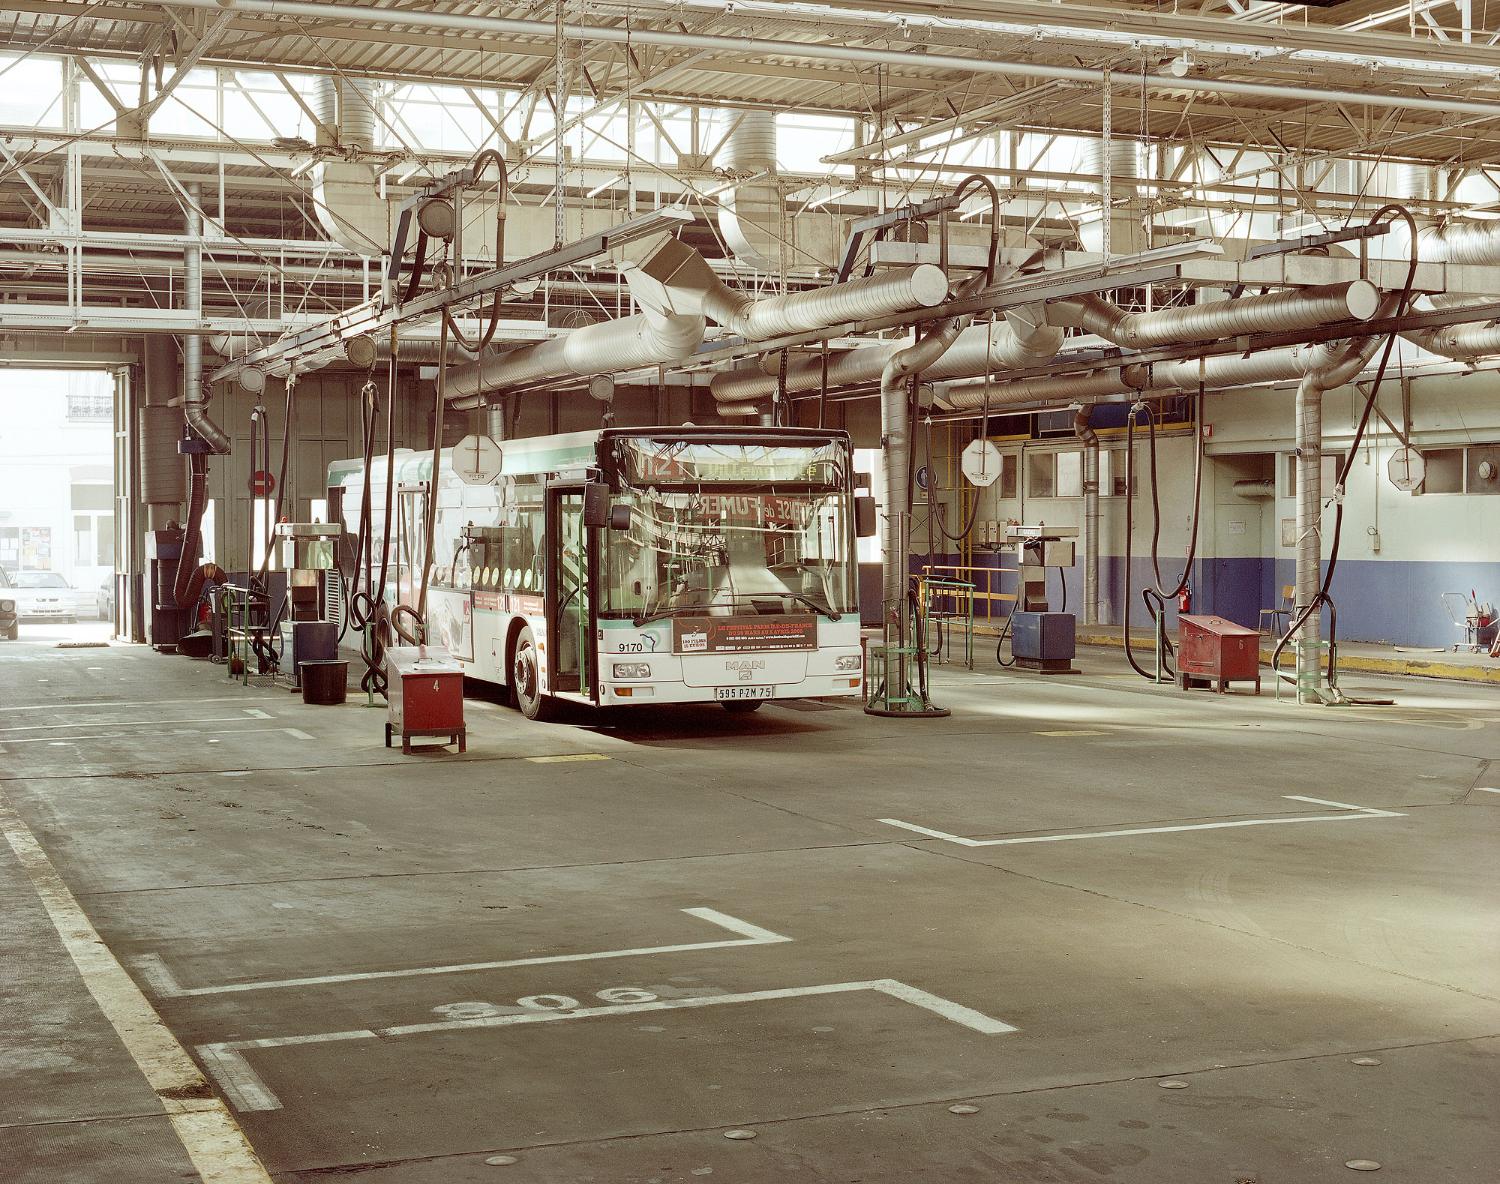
{"x": 742, "y": 692}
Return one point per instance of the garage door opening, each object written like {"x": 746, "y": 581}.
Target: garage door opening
{"x": 58, "y": 529}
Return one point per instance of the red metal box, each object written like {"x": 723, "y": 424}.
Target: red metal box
{"x": 1213, "y": 650}
{"x": 424, "y": 695}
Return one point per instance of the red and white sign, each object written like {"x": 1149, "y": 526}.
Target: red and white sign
{"x": 262, "y": 483}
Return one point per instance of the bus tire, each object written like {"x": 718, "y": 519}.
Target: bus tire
{"x": 741, "y": 706}
{"x": 525, "y": 680}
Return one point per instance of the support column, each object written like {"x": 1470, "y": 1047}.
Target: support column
{"x": 1309, "y": 534}
{"x": 1090, "y": 440}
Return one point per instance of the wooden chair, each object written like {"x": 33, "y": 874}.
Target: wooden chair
{"x": 1287, "y": 607}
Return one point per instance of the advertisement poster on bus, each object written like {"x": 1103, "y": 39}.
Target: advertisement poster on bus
{"x": 741, "y": 635}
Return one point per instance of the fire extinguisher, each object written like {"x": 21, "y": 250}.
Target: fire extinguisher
{"x": 1185, "y": 600}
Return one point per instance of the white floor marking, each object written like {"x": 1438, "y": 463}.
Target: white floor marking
{"x": 243, "y": 1085}
{"x": 293, "y": 732}
{"x": 257, "y": 713}
{"x": 208, "y": 1132}
{"x": 133, "y": 723}
{"x": 1485, "y": 789}
{"x": 1353, "y": 814}
{"x": 155, "y": 972}
{"x": 95, "y": 705}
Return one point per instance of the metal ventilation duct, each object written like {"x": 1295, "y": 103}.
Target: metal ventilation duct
{"x": 345, "y": 107}
{"x": 675, "y": 278}
{"x": 1001, "y": 345}
{"x": 750, "y": 214}
{"x": 1304, "y": 308}
{"x": 345, "y": 199}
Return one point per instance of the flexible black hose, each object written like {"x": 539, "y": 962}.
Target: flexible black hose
{"x": 192, "y": 533}
{"x": 969, "y": 182}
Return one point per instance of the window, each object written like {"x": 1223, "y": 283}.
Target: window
{"x": 1007, "y": 483}
{"x": 83, "y": 538}
{"x": 1111, "y": 472}
{"x": 104, "y": 540}
{"x": 1484, "y": 470}
{"x": 1445, "y": 471}
{"x": 1070, "y": 474}
{"x": 1041, "y": 474}
{"x": 1331, "y": 463}
{"x": 98, "y": 497}
{"x": 263, "y": 507}
{"x": 90, "y": 408}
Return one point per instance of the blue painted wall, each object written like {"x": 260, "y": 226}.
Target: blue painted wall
{"x": 1381, "y": 601}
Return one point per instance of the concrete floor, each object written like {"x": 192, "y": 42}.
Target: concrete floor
{"x": 754, "y": 947}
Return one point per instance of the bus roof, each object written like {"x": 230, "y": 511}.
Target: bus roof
{"x": 576, "y": 450}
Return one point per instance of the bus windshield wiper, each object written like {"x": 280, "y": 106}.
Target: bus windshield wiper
{"x": 826, "y": 610}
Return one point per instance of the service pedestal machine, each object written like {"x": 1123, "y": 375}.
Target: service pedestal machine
{"x": 307, "y": 635}
{"x": 1042, "y": 640}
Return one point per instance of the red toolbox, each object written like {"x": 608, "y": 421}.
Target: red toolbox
{"x": 424, "y": 696}
{"x": 1213, "y": 650}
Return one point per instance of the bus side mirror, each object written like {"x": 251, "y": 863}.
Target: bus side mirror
{"x": 865, "y": 525}
{"x": 619, "y": 518}
{"x": 596, "y": 504}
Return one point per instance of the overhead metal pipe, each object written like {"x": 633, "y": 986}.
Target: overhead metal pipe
{"x": 648, "y": 339}
{"x": 1462, "y": 342}
{"x": 194, "y": 405}
{"x": 978, "y": 349}
{"x": 675, "y": 278}
{"x": 843, "y": 54}
{"x": 1286, "y": 311}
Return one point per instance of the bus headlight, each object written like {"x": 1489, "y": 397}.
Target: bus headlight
{"x": 848, "y": 662}
{"x": 632, "y": 670}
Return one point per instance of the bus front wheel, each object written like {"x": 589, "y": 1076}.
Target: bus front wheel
{"x": 525, "y": 677}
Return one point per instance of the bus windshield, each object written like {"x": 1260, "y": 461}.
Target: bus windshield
{"x": 722, "y": 552}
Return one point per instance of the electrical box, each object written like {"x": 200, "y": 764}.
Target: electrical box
{"x": 1043, "y": 642}
{"x": 1213, "y": 650}
{"x": 424, "y": 696}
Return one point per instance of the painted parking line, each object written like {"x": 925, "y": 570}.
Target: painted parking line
{"x": 94, "y": 704}
{"x": 250, "y": 713}
{"x": 163, "y": 983}
{"x": 1351, "y": 814}
{"x": 208, "y": 1132}
{"x": 1074, "y": 732}
{"x": 245, "y": 1089}
{"x": 61, "y": 741}
{"x": 567, "y": 757}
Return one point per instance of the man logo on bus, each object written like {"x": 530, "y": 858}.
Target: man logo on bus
{"x": 695, "y": 642}
{"x": 746, "y": 667}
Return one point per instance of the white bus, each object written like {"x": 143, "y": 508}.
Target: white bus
{"x": 630, "y": 566}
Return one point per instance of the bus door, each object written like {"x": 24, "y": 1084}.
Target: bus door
{"x": 570, "y": 608}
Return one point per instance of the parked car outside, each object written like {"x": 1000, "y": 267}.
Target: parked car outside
{"x": 10, "y": 621}
{"x": 105, "y": 600}
{"x": 44, "y": 596}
